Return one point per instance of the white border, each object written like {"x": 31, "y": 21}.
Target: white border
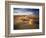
{"x": 28, "y": 30}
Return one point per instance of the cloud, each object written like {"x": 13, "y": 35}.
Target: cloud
{"x": 26, "y": 10}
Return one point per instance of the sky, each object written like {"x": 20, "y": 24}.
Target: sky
{"x": 26, "y": 10}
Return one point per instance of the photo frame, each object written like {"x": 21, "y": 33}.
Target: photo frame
{"x": 24, "y": 19}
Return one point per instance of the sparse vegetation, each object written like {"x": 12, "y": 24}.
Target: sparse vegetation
{"x": 26, "y": 22}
